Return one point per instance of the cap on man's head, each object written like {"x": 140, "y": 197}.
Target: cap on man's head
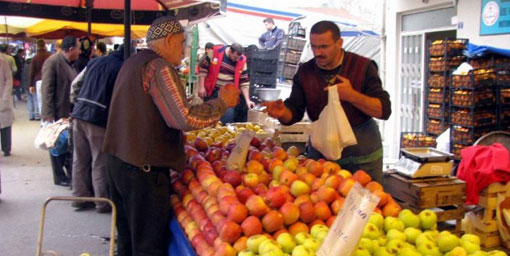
{"x": 162, "y": 27}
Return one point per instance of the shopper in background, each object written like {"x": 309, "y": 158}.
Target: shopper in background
{"x": 4, "y": 55}
{"x": 227, "y": 66}
{"x": 144, "y": 138}
{"x": 34, "y": 102}
{"x": 6, "y": 107}
{"x": 273, "y": 37}
{"x": 19, "y": 59}
{"x": 87, "y": 51}
{"x": 57, "y": 74}
{"x": 360, "y": 92}
{"x": 100, "y": 49}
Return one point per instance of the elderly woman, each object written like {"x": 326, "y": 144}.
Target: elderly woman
{"x": 6, "y": 106}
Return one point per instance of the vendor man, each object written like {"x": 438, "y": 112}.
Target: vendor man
{"x": 360, "y": 92}
{"x": 144, "y": 139}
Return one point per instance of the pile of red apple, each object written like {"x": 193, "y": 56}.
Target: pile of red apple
{"x": 277, "y": 192}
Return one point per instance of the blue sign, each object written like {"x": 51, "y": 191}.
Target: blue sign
{"x": 495, "y": 17}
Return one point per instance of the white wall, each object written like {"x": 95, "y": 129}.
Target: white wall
{"x": 468, "y": 12}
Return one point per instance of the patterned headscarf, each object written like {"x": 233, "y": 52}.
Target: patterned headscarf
{"x": 163, "y": 27}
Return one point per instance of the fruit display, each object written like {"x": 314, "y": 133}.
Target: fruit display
{"x": 448, "y": 47}
{"x": 410, "y": 234}
{"x": 411, "y": 140}
{"x": 220, "y": 135}
{"x": 280, "y": 203}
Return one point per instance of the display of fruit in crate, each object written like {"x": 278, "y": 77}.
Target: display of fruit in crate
{"x": 414, "y": 234}
{"x": 286, "y": 199}
{"x": 220, "y": 135}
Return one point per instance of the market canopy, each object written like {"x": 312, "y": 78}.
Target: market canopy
{"x": 111, "y": 11}
{"x": 56, "y": 29}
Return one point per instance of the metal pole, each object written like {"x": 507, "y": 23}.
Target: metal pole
{"x": 127, "y": 29}
{"x": 6, "y": 30}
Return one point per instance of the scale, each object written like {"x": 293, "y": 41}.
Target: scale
{"x": 424, "y": 162}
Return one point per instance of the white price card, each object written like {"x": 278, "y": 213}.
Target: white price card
{"x": 344, "y": 234}
{"x": 238, "y": 155}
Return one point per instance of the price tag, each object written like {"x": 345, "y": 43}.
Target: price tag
{"x": 345, "y": 232}
{"x": 238, "y": 155}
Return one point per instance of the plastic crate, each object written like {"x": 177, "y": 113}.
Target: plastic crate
{"x": 439, "y": 81}
{"x": 473, "y": 117}
{"x": 472, "y": 98}
{"x": 448, "y": 47}
{"x": 504, "y": 95}
{"x": 438, "y": 95}
{"x": 440, "y": 64}
{"x": 265, "y": 54}
{"x": 416, "y": 139}
{"x": 504, "y": 117}
{"x": 503, "y": 77}
{"x": 265, "y": 66}
{"x": 436, "y": 127}
{"x": 289, "y": 71}
{"x": 456, "y": 148}
{"x": 292, "y": 56}
{"x": 468, "y": 135}
{"x": 437, "y": 111}
{"x": 296, "y": 43}
{"x": 262, "y": 78}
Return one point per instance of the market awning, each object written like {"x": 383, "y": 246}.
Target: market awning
{"x": 56, "y": 29}
{"x": 111, "y": 11}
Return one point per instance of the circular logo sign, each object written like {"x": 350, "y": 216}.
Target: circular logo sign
{"x": 490, "y": 13}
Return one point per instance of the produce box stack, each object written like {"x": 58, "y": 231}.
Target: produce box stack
{"x": 443, "y": 195}
{"x": 290, "y": 55}
{"x": 503, "y": 82}
{"x": 416, "y": 139}
{"x": 444, "y": 55}
{"x": 279, "y": 202}
{"x": 485, "y": 224}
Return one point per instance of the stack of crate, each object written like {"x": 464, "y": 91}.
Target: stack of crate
{"x": 416, "y": 139}
{"x": 503, "y": 82}
{"x": 485, "y": 224}
{"x": 443, "y": 195}
{"x": 290, "y": 55}
{"x": 264, "y": 67}
{"x": 444, "y": 56}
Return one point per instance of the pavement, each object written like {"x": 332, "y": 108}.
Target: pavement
{"x": 26, "y": 182}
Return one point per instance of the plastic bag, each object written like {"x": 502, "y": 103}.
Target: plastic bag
{"x": 49, "y": 134}
{"x": 346, "y": 230}
{"x": 332, "y": 132}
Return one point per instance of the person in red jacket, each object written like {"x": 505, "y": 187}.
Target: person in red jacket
{"x": 227, "y": 66}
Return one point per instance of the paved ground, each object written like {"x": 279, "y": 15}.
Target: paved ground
{"x": 26, "y": 182}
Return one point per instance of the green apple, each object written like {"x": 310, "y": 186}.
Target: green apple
{"x": 286, "y": 242}
{"x": 318, "y": 228}
{"x": 361, "y": 252}
{"x": 432, "y": 233}
{"x": 471, "y": 238}
{"x": 268, "y": 245}
{"x": 246, "y": 252}
{"x": 300, "y": 250}
{"x": 446, "y": 242}
{"x": 428, "y": 219}
{"x": 429, "y": 248}
{"x": 253, "y": 242}
{"x": 423, "y": 238}
{"x": 273, "y": 252}
{"x": 371, "y": 231}
{"x": 393, "y": 223}
{"x": 367, "y": 244}
{"x": 382, "y": 240}
{"x": 457, "y": 251}
{"x": 376, "y": 219}
{"x": 395, "y": 245}
{"x": 321, "y": 235}
{"x": 396, "y": 234}
{"x": 412, "y": 234}
{"x": 301, "y": 237}
{"x": 497, "y": 253}
{"x": 312, "y": 244}
{"x": 383, "y": 251}
{"x": 470, "y": 247}
{"x": 408, "y": 251}
{"x": 478, "y": 253}
{"x": 299, "y": 187}
{"x": 409, "y": 218}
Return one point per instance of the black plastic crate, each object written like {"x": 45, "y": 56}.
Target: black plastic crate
{"x": 468, "y": 135}
{"x": 438, "y": 111}
{"x": 292, "y": 56}
{"x": 439, "y": 81}
{"x": 447, "y": 47}
{"x": 473, "y": 98}
{"x": 503, "y": 77}
{"x": 416, "y": 139}
{"x": 438, "y": 95}
{"x": 474, "y": 117}
{"x": 440, "y": 64}
{"x": 295, "y": 43}
{"x": 456, "y": 148}
{"x": 263, "y": 78}
{"x": 265, "y": 54}
{"x": 264, "y": 66}
{"x": 475, "y": 79}
{"x": 289, "y": 71}
{"x": 436, "y": 126}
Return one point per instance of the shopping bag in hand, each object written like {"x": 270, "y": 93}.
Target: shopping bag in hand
{"x": 332, "y": 132}
{"x": 49, "y": 134}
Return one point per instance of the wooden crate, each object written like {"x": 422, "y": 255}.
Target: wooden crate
{"x": 488, "y": 240}
{"x": 489, "y": 199}
{"x": 298, "y": 132}
{"x": 426, "y": 193}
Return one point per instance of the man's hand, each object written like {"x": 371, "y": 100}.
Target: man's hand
{"x": 345, "y": 90}
{"x": 201, "y": 92}
{"x": 250, "y": 104}
{"x": 230, "y": 95}
{"x": 31, "y": 89}
{"x": 274, "y": 109}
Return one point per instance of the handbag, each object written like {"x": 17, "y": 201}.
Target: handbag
{"x": 49, "y": 134}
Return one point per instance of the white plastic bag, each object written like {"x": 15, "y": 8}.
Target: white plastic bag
{"x": 346, "y": 230}
{"x": 49, "y": 133}
{"x": 332, "y": 132}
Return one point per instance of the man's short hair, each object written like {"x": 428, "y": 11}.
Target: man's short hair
{"x": 324, "y": 26}
{"x": 20, "y": 50}
{"x": 209, "y": 45}
{"x": 3, "y": 48}
{"x": 269, "y": 20}
{"x": 101, "y": 46}
{"x": 236, "y": 48}
{"x": 68, "y": 43}
{"x": 116, "y": 46}
{"x": 41, "y": 44}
